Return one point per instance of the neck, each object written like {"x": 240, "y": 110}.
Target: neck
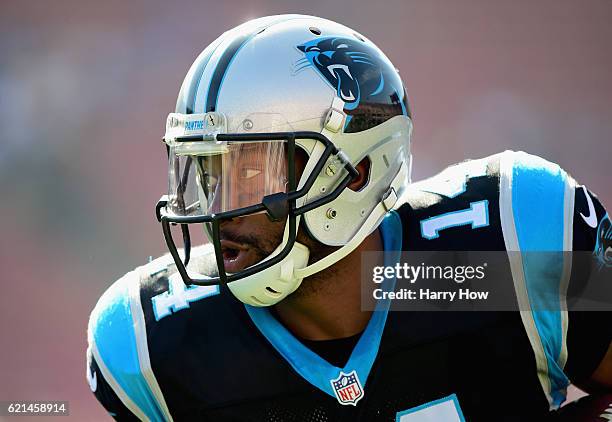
{"x": 330, "y": 306}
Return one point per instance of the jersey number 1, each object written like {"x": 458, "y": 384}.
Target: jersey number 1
{"x": 452, "y": 184}
{"x": 477, "y": 215}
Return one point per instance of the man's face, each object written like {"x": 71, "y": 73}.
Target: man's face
{"x": 248, "y": 177}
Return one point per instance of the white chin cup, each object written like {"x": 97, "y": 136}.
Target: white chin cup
{"x": 270, "y": 286}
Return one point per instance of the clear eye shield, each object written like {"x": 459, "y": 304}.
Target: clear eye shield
{"x": 225, "y": 177}
{"x": 215, "y": 176}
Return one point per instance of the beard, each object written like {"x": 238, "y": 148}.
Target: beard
{"x": 265, "y": 236}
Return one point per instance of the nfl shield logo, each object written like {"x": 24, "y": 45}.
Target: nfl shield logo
{"x": 347, "y": 388}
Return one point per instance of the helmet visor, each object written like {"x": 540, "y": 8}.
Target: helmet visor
{"x": 226, "y": 177}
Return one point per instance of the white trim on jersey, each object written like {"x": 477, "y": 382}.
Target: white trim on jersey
{"x": 140, "y": 333}
{"x": 568, "y": 242}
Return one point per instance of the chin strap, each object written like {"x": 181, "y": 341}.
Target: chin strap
{"x": 387, "y": 203}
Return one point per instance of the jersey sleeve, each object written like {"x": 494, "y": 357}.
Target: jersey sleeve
{"x": 118, "y": 352}
{"x": 590, "y": 331}
{"x": 541, "y": 211}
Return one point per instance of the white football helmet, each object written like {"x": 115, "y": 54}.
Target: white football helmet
{"x": 262, "y": 90}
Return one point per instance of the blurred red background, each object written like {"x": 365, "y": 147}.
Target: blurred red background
{"x": 85, "y": 88}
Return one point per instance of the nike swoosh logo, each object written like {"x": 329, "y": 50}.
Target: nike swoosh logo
{"x": 92, "y": 380}
{"x": 591, "y": 220}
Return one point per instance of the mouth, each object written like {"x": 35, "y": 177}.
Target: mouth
{"x": 236, "y": 256}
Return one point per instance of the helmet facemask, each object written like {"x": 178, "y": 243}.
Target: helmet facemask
{"x": 216, "y": 177}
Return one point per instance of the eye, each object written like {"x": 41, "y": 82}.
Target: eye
{"x": 342, "y": 46}
{"x": 249, "y": 173}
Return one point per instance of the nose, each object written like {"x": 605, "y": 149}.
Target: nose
{"x": 240, "y": 194}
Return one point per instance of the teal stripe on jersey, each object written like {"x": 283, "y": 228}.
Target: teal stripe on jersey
{"x": 538, "y": 203}
{"x": 112, "y": 330}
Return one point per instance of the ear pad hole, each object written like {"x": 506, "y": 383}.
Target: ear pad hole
{"x": 272, "y": 292}
{"x": 363, "y": 179}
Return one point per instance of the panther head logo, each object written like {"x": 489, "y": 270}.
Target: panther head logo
{"x": 603, "y": 246}
{"x": 367, "y": 83}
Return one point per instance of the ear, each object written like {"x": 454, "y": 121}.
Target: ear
{"x": 364, "y": 175}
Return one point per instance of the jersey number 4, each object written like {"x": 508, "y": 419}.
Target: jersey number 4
{"x": 179, "y": 296}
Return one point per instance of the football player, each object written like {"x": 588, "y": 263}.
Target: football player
{"x": 290, "y": 147}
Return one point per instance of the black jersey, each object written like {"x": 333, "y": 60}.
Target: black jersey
{"x": 159, "y": 350}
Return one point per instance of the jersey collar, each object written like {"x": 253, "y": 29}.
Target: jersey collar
{"x": 311, "y": 366}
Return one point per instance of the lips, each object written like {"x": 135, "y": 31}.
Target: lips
{"x": 236, "y": 256}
